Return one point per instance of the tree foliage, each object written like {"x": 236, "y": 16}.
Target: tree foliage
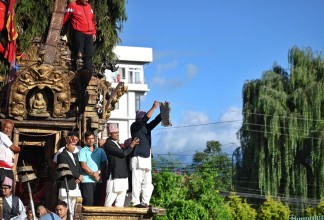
{"x": 240, "y": 210}
{"x": 166, "y": 163}
{"x": 214, "y": 159}
{"x": 32, "y": 20}
{"x": 184, "y": 199}
{"x": 193, "y": 195}
{"x": 272, "y": 209}
{"x": 282, "y": 131}
{"x": 315, "y": 211}
{"x": 320, "y": 208}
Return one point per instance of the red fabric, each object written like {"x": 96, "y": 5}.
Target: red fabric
{"x": 2, "y": 15}
{"x": 39, "y": 195}
{"x": 81, "y": 16}
{"x": 5, "y": 165}
{"x": 10, "y": 53}
{"x": 2, "y": 50}
{"x": 3, "y": 9}
{"x": 12, "y": 33}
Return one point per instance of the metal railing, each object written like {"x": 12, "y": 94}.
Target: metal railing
{"x": 308, "y": 218}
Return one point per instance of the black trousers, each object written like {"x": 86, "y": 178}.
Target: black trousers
{"x": 84, "y": 44}
{"x": 91, "y": 193}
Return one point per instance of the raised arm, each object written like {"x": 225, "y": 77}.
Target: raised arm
{"x": 151, "y": 111}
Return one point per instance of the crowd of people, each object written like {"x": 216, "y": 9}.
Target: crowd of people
{"x": 102, "y": 174}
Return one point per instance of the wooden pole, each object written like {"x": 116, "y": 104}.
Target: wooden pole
{"x": 67, "y": 196}
{"x": 31, "y": 198}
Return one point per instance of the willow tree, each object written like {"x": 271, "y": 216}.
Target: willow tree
{"x": 32, "y": 20}
{"x": 282, "y": 130}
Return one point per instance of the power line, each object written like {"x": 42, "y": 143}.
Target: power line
{"x": 290, "y": 200}
{"x": 280, "y": 116}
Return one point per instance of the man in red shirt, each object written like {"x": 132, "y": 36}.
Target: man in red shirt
{"x": 80, "y": 14}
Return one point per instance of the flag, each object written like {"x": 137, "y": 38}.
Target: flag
{"x": 10, "y": 54}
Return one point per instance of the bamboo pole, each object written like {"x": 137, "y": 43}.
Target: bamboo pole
{"x": 31, "y": 197}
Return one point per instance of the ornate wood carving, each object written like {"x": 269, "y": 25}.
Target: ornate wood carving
{"x": 54, "y": 31}
{"x": 115, "y": 95}
{"x": 40, "y": 82}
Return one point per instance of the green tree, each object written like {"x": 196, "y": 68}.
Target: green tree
{"x": 168, "y": 187}
{"x": 190, "y": 196}
{"x": 166, "y": 163}
{"x": 32, "y": 20}
{"x": 315, "y": 211}
{"x": 282, "y": 131}
{"x": 320, "y": 209}
{"x": 272, "y": 209}
{"x": 214, "y": 162}
{"x": 240, "y": 210}
{"x": 310, "y": 211}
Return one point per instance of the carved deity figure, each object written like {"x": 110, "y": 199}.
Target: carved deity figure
{"x": 39, "y": 104}
{"x": 27, "y": 79}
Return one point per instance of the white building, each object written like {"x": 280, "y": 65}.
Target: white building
{"x": 131, "y": 62}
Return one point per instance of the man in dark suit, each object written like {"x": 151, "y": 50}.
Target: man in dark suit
{"x": 117, "y": 183}
{"x": 71, "y": 159}
{"x": 142, "y": 187}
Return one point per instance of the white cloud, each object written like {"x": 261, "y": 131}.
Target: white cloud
{"x": 194, "y": 130}
{"x": 192, "y": 70}
{"x": 159, "y": 80}
{"x": 171, "y": 82}
{"x": 162, "y": 68}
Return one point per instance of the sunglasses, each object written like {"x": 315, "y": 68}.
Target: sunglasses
{"x": 5, "y": 188}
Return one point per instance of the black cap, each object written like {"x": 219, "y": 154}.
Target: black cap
{"x": 73, "y": 133}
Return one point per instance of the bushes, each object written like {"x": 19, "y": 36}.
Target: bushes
{"x": 272, "y": 209}
{"x": 317, "y": 211}
{"x": 240, "y": 210}
{"x": 188, "y": 197}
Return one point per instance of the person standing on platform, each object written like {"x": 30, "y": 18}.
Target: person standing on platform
{"x": 75, "y": 140}
{"x": 82, "y": 19}
{"x": 117, "y": 184}
{"x": 68, "y": 157}
{"x": 93, "y": 162}
{"x": 7, "y": 151}
{"x": 141, "y": 162}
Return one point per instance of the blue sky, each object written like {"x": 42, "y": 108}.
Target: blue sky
{"x": 204, "y": 51}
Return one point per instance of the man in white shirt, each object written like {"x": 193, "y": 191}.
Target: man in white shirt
{"x": 13, "y": 208}
{"x": 7, "y": 150}
{"x": 71, "y": 159}
{"x": 117, "y": 184}
{"x": 75, "y": 139}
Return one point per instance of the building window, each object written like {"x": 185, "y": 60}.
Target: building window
{"x": 130, "y": 75}
{"x": 137, "y": 102}
{"x": 135, "y": 75}
{"x": 121, "y": 72}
